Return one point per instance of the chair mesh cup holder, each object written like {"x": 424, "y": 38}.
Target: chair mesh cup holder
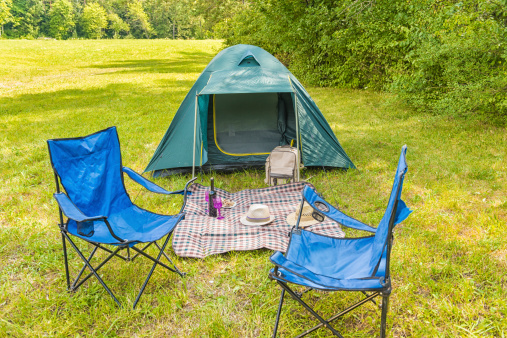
{"x": 85, "y": 228}
{"x": 318, "y": 216}
{"x": 322, "y": 206}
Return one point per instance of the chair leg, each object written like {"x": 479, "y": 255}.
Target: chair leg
{"x": 107, "y": 250}
{"x": 73, "y": 287}
{"x": 307, "y": 307}
{"x": 76, "y": 286}
{"x": 383, "y": 323}
{"x": 373, "y": 301}
{"x": 151, "y": 271}
{"x": 92, "y": 269}
{"x": 338, "y": 315}
{"x": 182, "y": 274}
{"x": 154, "y": 260}
{"x": 135, "y": 256}
{"x": 66, "y": 260}
{"x": 278, "y": 313}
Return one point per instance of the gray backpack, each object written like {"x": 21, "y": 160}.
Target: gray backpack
{"x": 281, "y": 164}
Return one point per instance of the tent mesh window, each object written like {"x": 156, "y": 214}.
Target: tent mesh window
{"x": 249, "y": 61}
{"x": 246, "y": 124}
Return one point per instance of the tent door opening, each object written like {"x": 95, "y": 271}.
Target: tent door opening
{"x": 251, "y": 124}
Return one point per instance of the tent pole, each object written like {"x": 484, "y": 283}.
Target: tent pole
{"x": 297, "y": 127}
{"x": 297, "y": 133}
{"x": 195, "y": 135}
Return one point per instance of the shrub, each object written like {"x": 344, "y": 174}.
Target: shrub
{"x": 439, "y": 55}
{"x": 460, "y": 68}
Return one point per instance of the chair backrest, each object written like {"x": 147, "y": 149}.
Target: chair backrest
{"x": 90, "y": 171}
{"x": 395, "y": 213}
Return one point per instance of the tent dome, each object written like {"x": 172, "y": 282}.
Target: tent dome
{"x": 244, "y": 104}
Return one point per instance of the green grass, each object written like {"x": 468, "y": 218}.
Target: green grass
{"x": 449, "y": 257}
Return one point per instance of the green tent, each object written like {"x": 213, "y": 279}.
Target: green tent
{"x": 244, "y": 104}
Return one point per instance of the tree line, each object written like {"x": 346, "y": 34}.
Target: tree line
{"x": 439, "y": 56}
{"x": 95, "y": 19}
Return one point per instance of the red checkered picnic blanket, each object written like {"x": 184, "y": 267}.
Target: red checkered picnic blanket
{"x": 199, "y": 235}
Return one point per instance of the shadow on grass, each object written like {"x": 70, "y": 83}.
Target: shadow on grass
{"x": 187, "y": 63}
{"x": 113, "y": 96}
{"x": 153, "y": 66}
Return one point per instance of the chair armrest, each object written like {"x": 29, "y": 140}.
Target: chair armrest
{"x": 70, "y": 210}
{"x": 186, "y": 193}
{"x": 402, "y": 212}
{"x": 148, "y": 184}
{"x": 313, "y": 198}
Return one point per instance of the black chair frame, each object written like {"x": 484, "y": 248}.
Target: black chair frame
{"x": 385, "y": 292}
{"x": 80, "y": 280}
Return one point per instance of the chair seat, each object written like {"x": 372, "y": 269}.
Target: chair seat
{"x": 133, "y": 224}
{"x": 329, "y": 263}
{"x": 341, "y": 258}
{"x": 332, "y": 285}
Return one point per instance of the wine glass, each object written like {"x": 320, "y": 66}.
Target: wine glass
{"x": 217, "y": 203}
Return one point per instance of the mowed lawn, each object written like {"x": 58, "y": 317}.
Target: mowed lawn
{"x": 449, "y": 261}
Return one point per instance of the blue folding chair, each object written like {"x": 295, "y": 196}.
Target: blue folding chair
{"x": 99, "y": 209}
{"x": 341, "y": 264}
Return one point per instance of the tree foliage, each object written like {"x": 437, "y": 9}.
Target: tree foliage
{"x": 61, "y": 19}
{"x": 459, "y": 66}
{"x": 93, "y": 21}
{"x": 28, "y": 18}
{"x": 444, "y": 56}
{"x": 5, "y": 13}
{"x": 116, "y": 26}
{"x": 138, "y": 20}
{"x": 177, "y": 19}
{"x": 216, "y": 15}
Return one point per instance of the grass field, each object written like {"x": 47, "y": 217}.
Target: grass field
{"x": 449, "y": 260}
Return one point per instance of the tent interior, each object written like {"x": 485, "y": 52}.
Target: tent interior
{"x": 249, "y": 123}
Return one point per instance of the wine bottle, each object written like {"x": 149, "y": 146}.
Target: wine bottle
{"x": 212, "y": 195}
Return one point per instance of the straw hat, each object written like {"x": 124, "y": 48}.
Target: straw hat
{"x": 306, "y": 216}
{"x": 258, "y": 214}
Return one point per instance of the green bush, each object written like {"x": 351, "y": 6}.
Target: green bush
{"x": 327, "y": 43}
{"x": 459, "y": 69}
{"x": 444, "y": 56}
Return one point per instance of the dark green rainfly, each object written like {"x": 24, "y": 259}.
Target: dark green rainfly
{"x": 244, "y": 104}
